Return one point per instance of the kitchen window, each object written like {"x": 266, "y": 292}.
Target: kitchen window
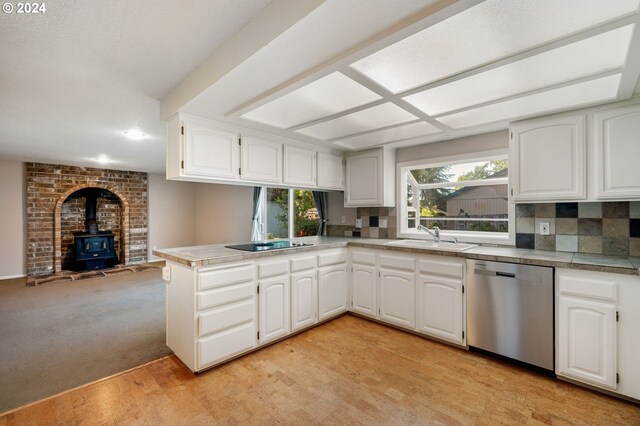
{"x": 465, "y": 197}
{"x": 276, "y": 220}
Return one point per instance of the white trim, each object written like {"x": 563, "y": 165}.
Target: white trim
{"x": 477, "y": 182}
{"x": 402, "y": 168}
{"x": 10, "y": 277}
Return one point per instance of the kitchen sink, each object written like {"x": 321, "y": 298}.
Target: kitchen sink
{"x": 442, "y": 245}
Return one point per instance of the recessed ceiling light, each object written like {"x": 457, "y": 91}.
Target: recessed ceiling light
{"x": 103, "y": 159}
{"x": 134, "y": 134}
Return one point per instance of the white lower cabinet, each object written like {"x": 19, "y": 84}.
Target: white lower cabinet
{"x": 597, "y": 341}
{"x": 439, "y": 308}
{"x": 397, "y": 297}
{"x": 364, "y": 282}
{"x": 274, "y": 308}
{"x": 304, "y": 300}
{"x": 588, "y": 341}
{"x": 333, "y": 291}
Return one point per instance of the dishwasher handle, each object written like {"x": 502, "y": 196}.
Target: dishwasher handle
{"x": 513, "y": 275}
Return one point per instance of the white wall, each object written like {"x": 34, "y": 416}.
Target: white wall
{"x": 13, "y": 232}
{"x": 477, "y": 143}
{"x": 223, "y": 213}
{"x": 172, "y": 213}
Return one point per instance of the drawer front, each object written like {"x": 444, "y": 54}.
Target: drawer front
{"x": 332, "y": 258}
{"x": 397, "y": 262}
{"x": 435, "y": 266}
{"x": 226, "y": 344}
{"x": 226, "y": 316}
{"x": 363, "y": 257}
{"x": 224, "y": 276}
{"x": 586, "y": 287}
{"x": 271, "y": 269}
{"x": 303, "y": 263}
{"x": 227, "y": 294}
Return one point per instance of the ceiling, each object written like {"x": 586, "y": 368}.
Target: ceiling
{"x": 327, "y": 72}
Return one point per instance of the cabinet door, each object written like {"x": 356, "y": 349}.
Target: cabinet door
{"x": 333, "y": 291}
{"x": 547, "y": 160}
{"x": 397, "y": 297}
{"x": 304, "y": 300}
{"x": 364, "y": 179}
{"x": 440, "y": 307}
{"x": 299, "y": 166}
{"x": 587, "y": 341}
{"x": 330, "y": 171}
{"x": 209, "y": 152}
{"x": 261, "y": 160}
{"x": 617, "y": 153}
{"x": 274, "y": 308}
{"x": 363, "y": 289}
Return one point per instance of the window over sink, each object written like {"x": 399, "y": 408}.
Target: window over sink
{"x": 466, "y": 197}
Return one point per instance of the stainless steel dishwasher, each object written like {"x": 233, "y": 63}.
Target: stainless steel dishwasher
{"x": 510, "y": 311}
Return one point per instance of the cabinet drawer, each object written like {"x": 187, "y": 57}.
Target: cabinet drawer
{"x": 226, "y": 316}
{"x": 332, "y": 258}
{"x": 363, "y": 257}
{"x": 397, "y": 262}
{"x": 226, "y": 294}
{"x": 303, "y": 263}
{"x": 226, "y": 344}
{"x": 435, "y": 266}
{"x": 586, "y": 287}
{"x": 271, "y": 269}
{"x": 224, "y": 276}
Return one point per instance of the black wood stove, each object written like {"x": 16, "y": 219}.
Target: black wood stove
{"x": 94, "y": 249}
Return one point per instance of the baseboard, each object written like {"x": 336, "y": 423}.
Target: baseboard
{"x": 10, "y": 277}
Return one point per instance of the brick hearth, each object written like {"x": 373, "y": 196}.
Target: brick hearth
{"x": 48, "y": 186}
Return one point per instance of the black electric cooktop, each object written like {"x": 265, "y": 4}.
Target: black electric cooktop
{"x": 269, "y": 245}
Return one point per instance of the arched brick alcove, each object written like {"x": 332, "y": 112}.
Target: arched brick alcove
{"x": 49, "y": 185}
{"x": 124, "y": 222}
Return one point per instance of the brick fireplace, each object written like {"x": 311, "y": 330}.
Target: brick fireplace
{"x": 56, "y": 209}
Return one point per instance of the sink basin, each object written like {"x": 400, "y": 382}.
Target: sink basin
{"x": 446, "y": 246}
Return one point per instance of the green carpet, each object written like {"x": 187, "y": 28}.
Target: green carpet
{"x": 57, "y": 336}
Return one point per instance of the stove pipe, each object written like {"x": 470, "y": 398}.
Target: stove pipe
{"x": 90, "y": 214}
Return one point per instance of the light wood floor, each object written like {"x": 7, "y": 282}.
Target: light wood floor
{"x": 348, "y": 371}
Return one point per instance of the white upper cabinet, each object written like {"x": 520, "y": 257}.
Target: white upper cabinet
{"x": 261, "y": 160}
{"x": 370, "y": 178}
{"x": 330, "y": 171}
{"x": 299, "y": 166}
{"x": 210, "y": 152}
{"x": 617, "y": 146}
{"x": 198, "y": 150}
{"x": 548, "y": 159}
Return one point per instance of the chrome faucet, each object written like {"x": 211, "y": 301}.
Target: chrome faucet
{"x": 435, "y": 234}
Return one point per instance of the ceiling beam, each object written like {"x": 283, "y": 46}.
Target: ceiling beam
{"x": 426, "y": 18}
{"x": 274, "y": 19}
{"x": 631, "y": 73}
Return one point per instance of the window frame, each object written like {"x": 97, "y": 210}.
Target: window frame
{"x": 402, "y": 168}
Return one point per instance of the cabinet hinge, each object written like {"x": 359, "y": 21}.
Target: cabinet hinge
{"x": 511, "y": 135}
{"x": 240, "y": 141}
{"x": 240, "y": 171}
{"x": 379, "y": 274}
{"x": 258, "y": 289}
{"x": 182, "y": 130}
{"x": 512, "y": 192}
{"x": 379, "y": 312}
{"x": 182, "y": 164}
{"x": 617, "y": 377}
{"x": 258, "y": 335}
{"x": 617, "y": 316}
{"x": 463, "y": 334}
{"x": 463, "y": 292}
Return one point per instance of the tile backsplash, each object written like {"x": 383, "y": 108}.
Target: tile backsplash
{"x": 377, "y": 222}
{"x": 611, "y": 228}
